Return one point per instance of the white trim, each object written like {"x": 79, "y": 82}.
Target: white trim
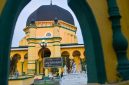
{"x": 19, "y": 48}
{"x": 73, "y": 46}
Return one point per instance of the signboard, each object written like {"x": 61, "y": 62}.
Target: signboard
{"x": 53, "y": 62}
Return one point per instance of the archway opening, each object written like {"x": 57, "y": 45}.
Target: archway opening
{"x": 77, "y": 60}
{"x": 43, "y": 53}
{"x": 66, "y": 60}
{"x": 14, "y": 63}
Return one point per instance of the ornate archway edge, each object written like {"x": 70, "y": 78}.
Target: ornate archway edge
{"x": 8, "y": 20}
{"x": 94, "y": 52}
{"x": 8, "y": 27}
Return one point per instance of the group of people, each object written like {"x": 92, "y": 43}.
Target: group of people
{"x": 73, "y": 69}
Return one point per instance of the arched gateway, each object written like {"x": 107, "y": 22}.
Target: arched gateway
{"x": 94, "y": 34}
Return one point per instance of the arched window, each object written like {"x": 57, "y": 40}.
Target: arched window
{"x": 26, "y": 56}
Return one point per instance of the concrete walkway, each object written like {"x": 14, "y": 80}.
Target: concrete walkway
{"x": 46, "y": 82}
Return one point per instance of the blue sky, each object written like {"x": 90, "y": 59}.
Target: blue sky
{"x": 31, "y": 7}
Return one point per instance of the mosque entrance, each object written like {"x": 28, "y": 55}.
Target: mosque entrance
{"x": 43, "y": 53}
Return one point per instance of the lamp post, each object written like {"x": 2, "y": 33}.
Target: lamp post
{"x": 43, "y": 44}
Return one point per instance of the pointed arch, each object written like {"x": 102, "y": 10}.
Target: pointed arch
{"x": 66, "y": 60}
{"x": 76, "y": 53}
{"x": 13, "y": 63}
{"x": 92, "y": 41}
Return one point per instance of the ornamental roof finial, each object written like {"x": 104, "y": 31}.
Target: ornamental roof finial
{"x": 51, "y": 2}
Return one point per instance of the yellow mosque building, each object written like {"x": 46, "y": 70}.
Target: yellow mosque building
{"x": 49, "y": 33}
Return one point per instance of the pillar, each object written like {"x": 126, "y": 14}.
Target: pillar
{"x": 22, "y": 66}
{"x": 46, "y": 72}
{"x": 60, "y": 71}
{"x": 36, "y": 67}
{"x": 119, "y": 42}
{"x": 31, "y": 60}
{"x": 57, "y": 39}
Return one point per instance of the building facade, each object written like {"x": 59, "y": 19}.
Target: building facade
{"x": 105, "y": 32}
{"x": 54, "y": 26}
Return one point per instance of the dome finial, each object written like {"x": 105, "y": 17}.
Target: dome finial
{"x": 51, "y": 2}
{"x": 56, "y": 20}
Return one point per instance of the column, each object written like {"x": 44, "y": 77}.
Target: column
{"x": 57, "y": 39}
{"x": 36, "y": 63}
{"x": 119, "y": 42}
{"x": 31, "y": 60}
{"x": 60, "y": 71}
{"x": 22, "y": 66}
{"x": 46, "y": 72}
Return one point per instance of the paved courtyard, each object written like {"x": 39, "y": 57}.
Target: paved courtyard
{"x": 46, "y": 82}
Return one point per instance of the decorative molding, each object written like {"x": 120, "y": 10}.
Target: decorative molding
{"x": 73, "y": 46}
{"x": 33, "y": 26}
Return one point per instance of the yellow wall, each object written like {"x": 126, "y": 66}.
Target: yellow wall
{"x": 66, "y": 35}
{"x": 23, "y": 41}
{"x": 2, "y": 4}
{"x": 100, "y": 11}
{"x": 71, "y": 50}
{"x": 25, "y": 66}
{"x": 22, "y": 53}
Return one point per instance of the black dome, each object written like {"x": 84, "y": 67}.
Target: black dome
{"x": 50, "y": 12}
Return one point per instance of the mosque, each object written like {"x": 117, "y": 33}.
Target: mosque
{"x": 50, "y": 32}
{"x": 105, "y": 30}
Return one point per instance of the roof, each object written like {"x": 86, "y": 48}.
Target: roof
{"x": 71, "y": 45}
{"x": 62, "y": 46}
{"x": 50, "y": 12}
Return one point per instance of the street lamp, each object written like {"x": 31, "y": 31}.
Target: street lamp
{"x": 43, "y": 44}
